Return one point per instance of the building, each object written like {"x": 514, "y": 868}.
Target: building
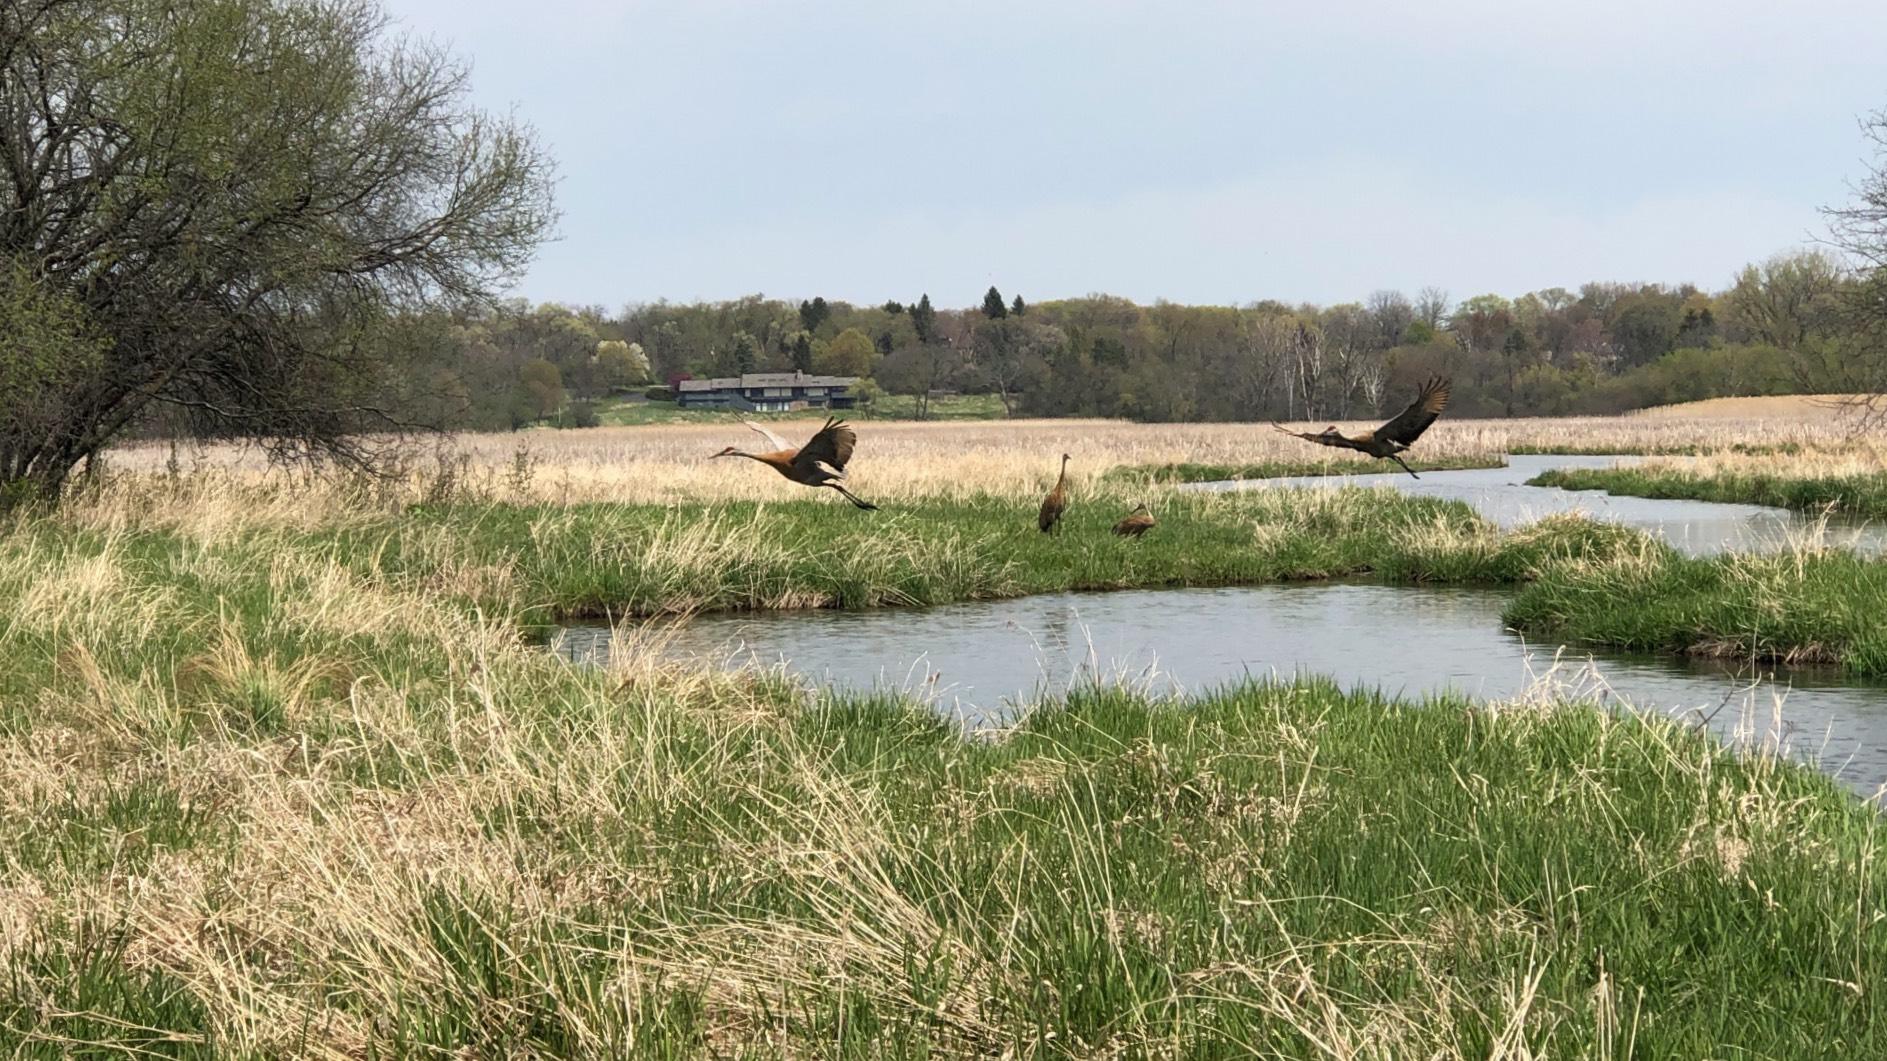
{"x": 767, "y": 392}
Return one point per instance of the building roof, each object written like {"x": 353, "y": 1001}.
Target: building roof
{"x": 766, "y": 379}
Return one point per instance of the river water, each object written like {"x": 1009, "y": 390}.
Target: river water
{"x": 981, "y": 660}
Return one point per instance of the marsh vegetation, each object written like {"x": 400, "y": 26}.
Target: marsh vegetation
{"x": 313, "y": 786}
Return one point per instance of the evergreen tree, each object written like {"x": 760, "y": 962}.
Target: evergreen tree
{"x": 813, "y": 314}
{"x": 923, "y": 318}
{"x": 746, "y": 354}
{"x": 993, "y": 306}
{"x": 802, "y": 351}
{"x": 894, "y": 307}
{"x": 1018, "y": 307}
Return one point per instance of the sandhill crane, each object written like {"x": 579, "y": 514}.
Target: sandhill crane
{"x": 1135, "y": 523}
{"x": 820, "y": 462}
{"x": 1392, "y": 438}
{"x": 1056, "y": 502}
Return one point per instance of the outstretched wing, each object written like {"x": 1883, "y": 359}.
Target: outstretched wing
{"x": 1411, "y": 422}
{"x": 1322, "y": 440}
{"x": 832, "y": 447}
{"x": 773, "y": 440}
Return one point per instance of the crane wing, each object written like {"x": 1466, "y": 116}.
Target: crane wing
{"x": 773, "y": 440}
{"x": 1322, "y": 440}
{"x": 1411, "y": 422}
{"x": 832, "y": 446}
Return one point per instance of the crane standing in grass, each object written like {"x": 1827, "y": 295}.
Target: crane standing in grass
{"x": 820, "y": 462}
{"x": 1389, "y": 440}
{"x": 1135, "y": 523}
{"x": 1056, "y": 502}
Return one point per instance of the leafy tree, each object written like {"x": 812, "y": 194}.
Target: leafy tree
{"x": 1789, "y": 300}
{"x": 921, "y": 371}
{"x": 1010, "y": 352}
{"x": 543, "y": 387}
{"x": 221, "y": 206}
{"x": 1644, "y": 326}
{"x": 993, "y": 306}
{"x": 850, "y": 353}
{"x": 621, "y": 365}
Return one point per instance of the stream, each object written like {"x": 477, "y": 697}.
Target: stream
{"x": 981, "y": 660}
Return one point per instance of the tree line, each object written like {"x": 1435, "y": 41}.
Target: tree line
{"x": 1785, "y": 325}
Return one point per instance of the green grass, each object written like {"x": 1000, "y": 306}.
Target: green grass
{"x": 1858, "y": 495}
{"x": 636, "y": 560}
{"x": 1813, "y": 606}
{"x": 1203, "y": 473}
{"x": 887, "y": 407}
{"x": 307, "y": 787}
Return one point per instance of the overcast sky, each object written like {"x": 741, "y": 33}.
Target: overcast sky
{"x": 1200, "y": 152}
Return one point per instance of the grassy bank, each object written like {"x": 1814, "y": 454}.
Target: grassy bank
{"x": 278, "y": 799}
{"x": 1206, "y": 473}
{"x": 636, "y": 560}
{"x": 1805, "y": 606}
{"x": 1858, "y": 494}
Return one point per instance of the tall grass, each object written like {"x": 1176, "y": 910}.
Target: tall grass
{"x": 282, "y": 774}
{"x": 1853, "y": 493}
{"x": 280, "y": 803}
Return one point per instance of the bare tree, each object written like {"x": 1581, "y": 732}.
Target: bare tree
{"x": 1860, "y": 229}
{"x": 1431, "y": 306}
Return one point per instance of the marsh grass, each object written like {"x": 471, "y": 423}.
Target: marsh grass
{"x": 281, "y": 773}
{"x": 1852, "y": 493}
{"x": 1358, "y": 465}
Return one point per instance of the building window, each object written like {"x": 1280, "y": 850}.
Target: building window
{"x": 815, "y": 392}
{"x": 777, "y": 392}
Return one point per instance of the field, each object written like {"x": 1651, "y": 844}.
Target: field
{"x": 309, "y": 784}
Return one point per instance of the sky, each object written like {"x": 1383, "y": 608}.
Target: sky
{"x": 1197, "y": 152}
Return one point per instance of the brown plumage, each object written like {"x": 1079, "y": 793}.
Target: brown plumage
{"x": 1056, "y": 502}
{"x": 1136, "y": 523}
{"x": 1389, "y": 440}
{"x": 820, "y": 462}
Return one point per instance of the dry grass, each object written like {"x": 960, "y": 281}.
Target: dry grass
{"x": 900, "y": 460}
{"x": 264, "y": 796}
{"x": 1769, "y": 407}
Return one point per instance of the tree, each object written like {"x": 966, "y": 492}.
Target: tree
{"x": 850, "y": 353}
{"x": 543, "y": 388}
{"x": 1011, "y": 351}
{"x": 924, "y": 319}
{"x": 802, "y": 352}
{"x": 993, "y": 306}
{"x": 894, "y": 307}
{"x": 920, "y": 371}
{"x": 1431, "y": 307}
{"x": 1787, "y": 300}
{"x": 1018, "y": 307}
{"x": 745, "y": 357}
{"x": 813, "y": 314}
{"x": 1644, "y": 326}
{"x": 621, "y": 364}
{"x": 221, "y": 207}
